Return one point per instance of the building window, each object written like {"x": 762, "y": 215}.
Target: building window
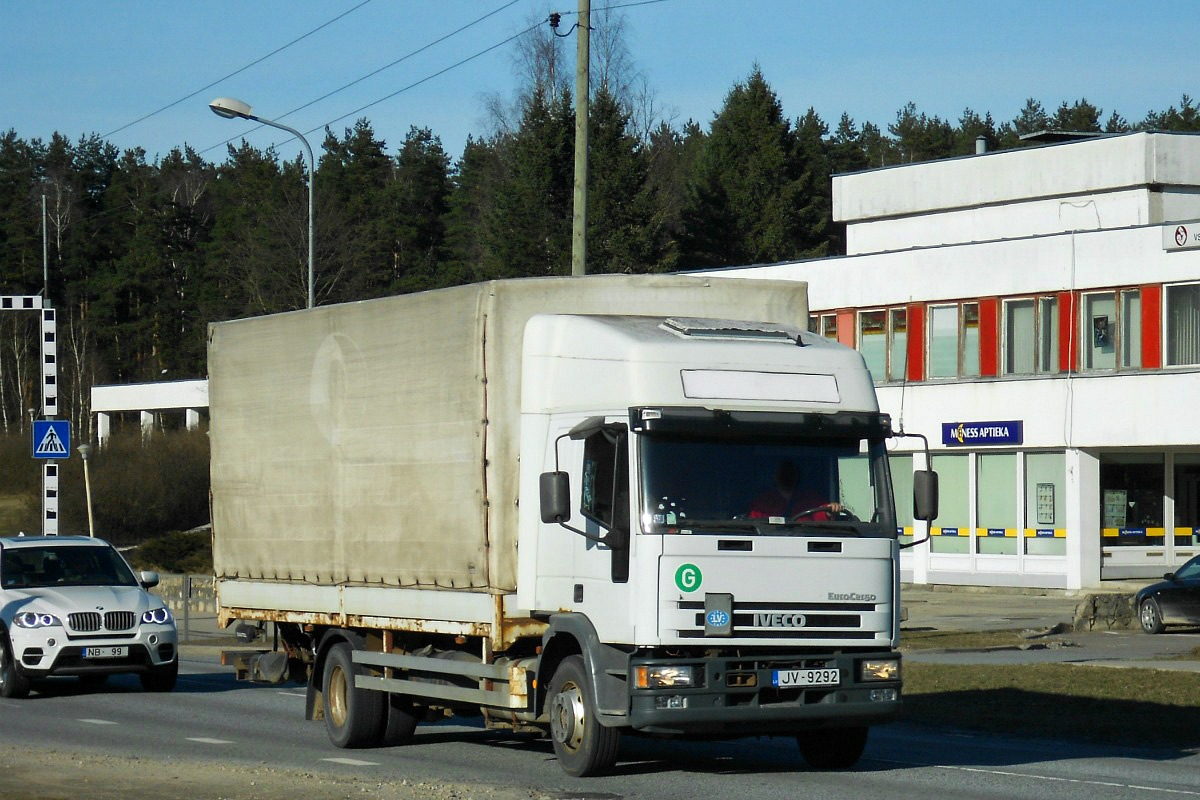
{"x": 1047, "y": 334}
{"x": 1045, "y": 504}
{"x": 1031, "y": 336}
{"x": 1130, "y": 339}
{"x": 872, "y": 342}
{"x": 897, "y": 344}
{"x": 996, "y": 504}
{"x": 1099, "y": 335}
{"x": 970, "y": 340}
{"x": 954, "y": 340}
{"x": 1131, "y": 499}
{"x": 1020, "y": 333}
{"x": 1183, "y": 324}
{"x": 902, "y": 489}
{"x": 828, "y": 326}
{"x": 954, "y": 505}
{"x": 1187, "y": 499}
{"x": 1112, "y": 330}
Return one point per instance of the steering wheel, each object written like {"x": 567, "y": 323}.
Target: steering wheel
{"x": 842, "y": 513}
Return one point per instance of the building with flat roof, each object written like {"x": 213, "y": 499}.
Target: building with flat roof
{"x": 1035, "y": 313}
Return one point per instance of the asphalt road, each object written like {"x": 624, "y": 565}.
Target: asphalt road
{"x": 213, "y": 719}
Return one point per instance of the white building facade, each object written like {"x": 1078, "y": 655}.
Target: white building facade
{"x": 1036, "y": 314}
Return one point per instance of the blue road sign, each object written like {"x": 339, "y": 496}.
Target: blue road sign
{"x": 51, "y": 438}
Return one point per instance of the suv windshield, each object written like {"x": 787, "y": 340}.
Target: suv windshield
{"x": 57, "y": 565}
{"x": 727, "y": 484}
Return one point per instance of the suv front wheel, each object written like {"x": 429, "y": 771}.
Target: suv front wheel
{"x": 13, "y": 684}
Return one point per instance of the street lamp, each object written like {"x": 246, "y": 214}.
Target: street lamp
{"x": 229, "y": 108}
{"x": 85, "y": 451}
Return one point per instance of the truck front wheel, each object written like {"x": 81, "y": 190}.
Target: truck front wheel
{"x": 353, "y": 717}
{"x": 839, "y": 748}
{"x": 584, "y": 747}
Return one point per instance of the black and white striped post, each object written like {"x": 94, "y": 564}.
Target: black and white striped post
{"x": 49, "y": 358}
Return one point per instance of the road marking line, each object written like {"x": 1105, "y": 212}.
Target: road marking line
{"x": 352, "y": 762}
{"x": 206, "y": 740}
{"x": 97, "y": 721}
{"x": 293, "y": 694}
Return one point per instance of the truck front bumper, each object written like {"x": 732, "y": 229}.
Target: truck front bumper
{"x": 763, "y": 695}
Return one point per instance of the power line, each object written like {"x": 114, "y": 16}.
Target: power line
{"x": 468, "y": 59}
{"x": 237, "y": 71}
{"x": 440, "y": 72}
{"x": 403, "y": 58}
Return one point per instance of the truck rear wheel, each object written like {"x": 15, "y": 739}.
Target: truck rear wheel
{"x": 402, "y": 717}
{"x": 353, "y": 717}
{"x": 838, "y": 748}
{"x": 584, "y": 747}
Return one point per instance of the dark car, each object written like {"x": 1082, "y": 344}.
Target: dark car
{"x": 1174, "y": 601}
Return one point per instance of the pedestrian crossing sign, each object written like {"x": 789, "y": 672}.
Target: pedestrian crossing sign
{"x": 51, "y": 438}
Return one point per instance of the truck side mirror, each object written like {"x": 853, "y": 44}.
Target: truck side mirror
{"x": 925, "y": 495}
{"x": 555, "y": 494}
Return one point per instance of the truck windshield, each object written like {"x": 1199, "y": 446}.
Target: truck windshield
{"x": 724, "y": 484}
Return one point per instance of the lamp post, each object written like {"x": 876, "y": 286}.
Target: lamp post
{"x": 85, "y": 451}
{"x": 229, "y": 108}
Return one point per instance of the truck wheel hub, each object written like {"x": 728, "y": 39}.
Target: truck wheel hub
{"x": 567, "y": 717}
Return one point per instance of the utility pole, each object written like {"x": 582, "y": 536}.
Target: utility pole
{"x": 582, "y": 97}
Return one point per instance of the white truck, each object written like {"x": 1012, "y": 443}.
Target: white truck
{"x": 534, "y": 500}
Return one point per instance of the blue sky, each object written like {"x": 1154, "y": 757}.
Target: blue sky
{"x": 96, "y": 67}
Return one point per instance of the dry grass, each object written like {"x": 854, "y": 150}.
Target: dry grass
{"x": 14, "y": 514}
{"x": 1132, "y": 707}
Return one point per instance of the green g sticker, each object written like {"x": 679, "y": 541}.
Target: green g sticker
{"x": 688, "y": 577}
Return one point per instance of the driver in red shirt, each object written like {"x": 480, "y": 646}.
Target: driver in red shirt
{"x": 787, "y": 498}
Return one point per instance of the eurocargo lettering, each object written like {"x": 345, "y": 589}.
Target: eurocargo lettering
{"x": 535, "y": 500}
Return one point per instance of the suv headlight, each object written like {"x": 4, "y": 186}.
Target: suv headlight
{"x": 156, "y": 616}
{"x": 33, "y": 619}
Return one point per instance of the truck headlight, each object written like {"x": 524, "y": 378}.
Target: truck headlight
{"x": 659, "y": 677}
{"x": 32, "y": 619}
{"x": 880, "y": 669}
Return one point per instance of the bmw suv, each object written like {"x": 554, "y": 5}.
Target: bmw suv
{"x": 71, "y": 605}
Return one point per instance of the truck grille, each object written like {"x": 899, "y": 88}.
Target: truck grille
{"x": 88, "y": 621}
{"x": 786, "y": 620}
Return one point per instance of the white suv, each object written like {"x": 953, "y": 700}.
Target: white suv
{"x": 71, "y": 605}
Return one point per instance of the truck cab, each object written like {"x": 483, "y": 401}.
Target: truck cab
{"x": 716, "y": 534}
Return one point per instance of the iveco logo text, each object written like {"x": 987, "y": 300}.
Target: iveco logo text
{"x": 779, "y": 620}
{"x": 852, "y": 597}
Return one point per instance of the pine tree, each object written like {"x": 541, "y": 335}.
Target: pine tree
{"x": 622, "y": 229}
{"x": 1081, "y": 116}
{"x": 415, "y": 205}
{"x": 749, "y": 201}
{"x": 355, "y": 250}
{"x": 528, "y": 229}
